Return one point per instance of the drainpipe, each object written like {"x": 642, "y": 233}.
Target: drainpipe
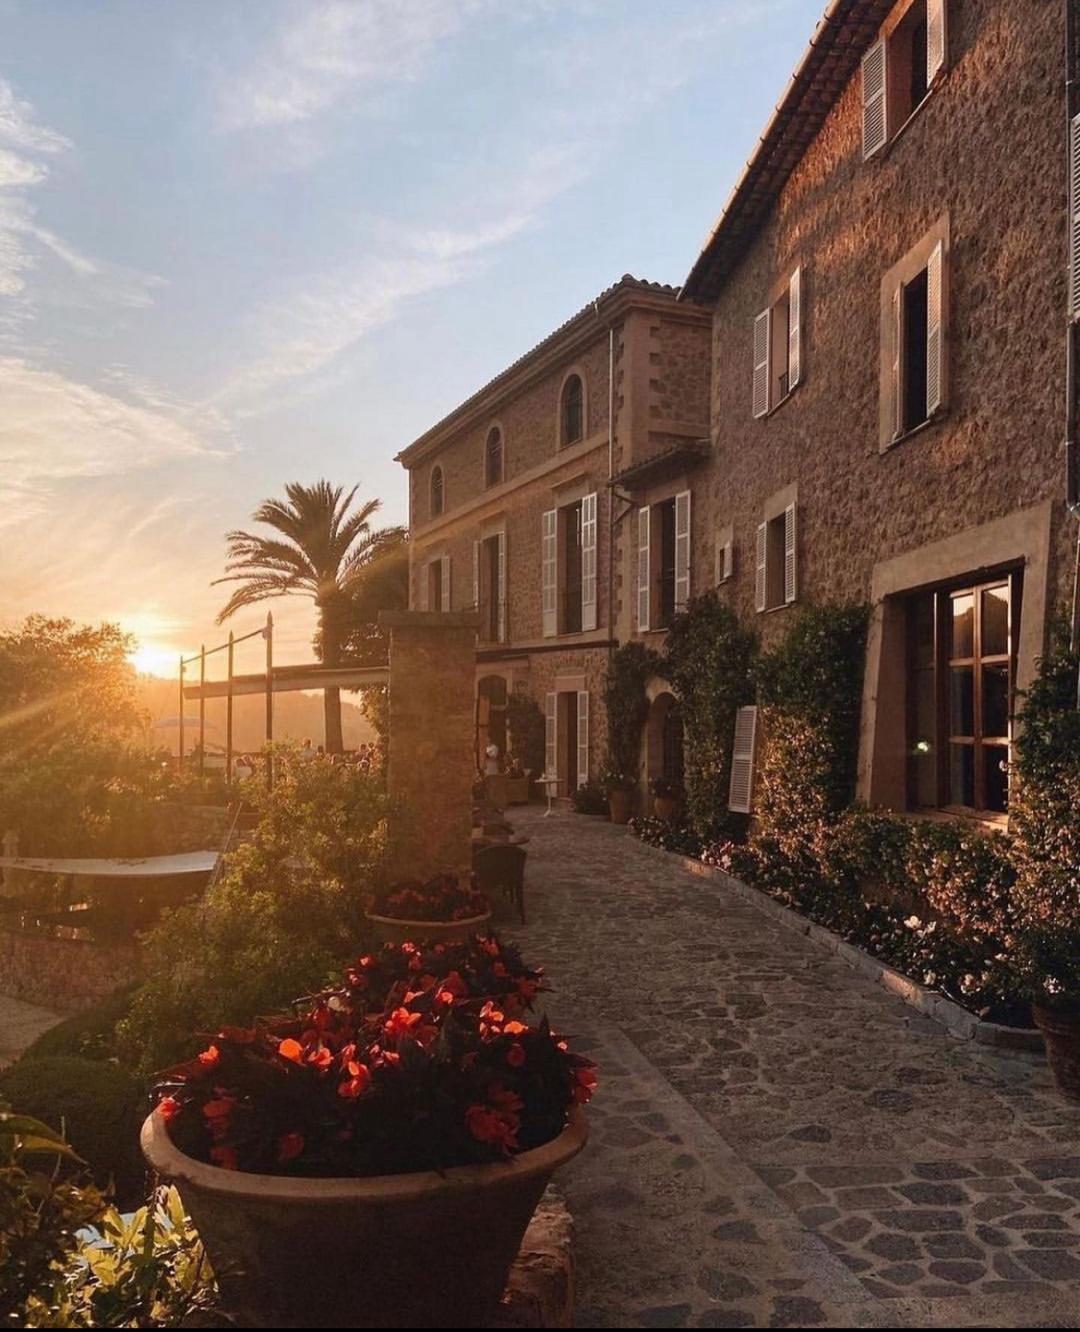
{"x": 1072, "y": 460}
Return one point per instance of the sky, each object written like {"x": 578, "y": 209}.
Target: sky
{"x": 244, "y": 242}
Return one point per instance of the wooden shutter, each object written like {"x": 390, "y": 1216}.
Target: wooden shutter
{"x": 875, "y": 130}
{"x": 582, "y": 737}
{"x": 500, "y": 591}
{"x": 936, "y": 39}
{"x": 794, "y": 359}
{"x": 588, "y": 562}
{"x": 790, "y": 579}
{"x": 643, "y": 575}
{"x": 896, "y": 379}
{"x": 935, "y": 341}
{"x": 447, "y": 603}
{"x": 724, "y": 562}
{"x": 728, "y": 566}
{"x": 1074, "y": 218}
{"x": 741, "y": 794}
{"x": 476, "y": 575}
{"x": 549, "y": 571}
{"x": 682, "y": 550}
{"x": 551, "y": 754}
{"x": 760, "y": 586}
{"x": 423, "y": 591}
{"x": 762, "y": 346}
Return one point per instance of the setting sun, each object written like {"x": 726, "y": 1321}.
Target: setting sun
{"x": 151, "y": 659}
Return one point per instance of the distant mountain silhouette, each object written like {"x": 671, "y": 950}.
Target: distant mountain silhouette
{"x": 296, "y": 717}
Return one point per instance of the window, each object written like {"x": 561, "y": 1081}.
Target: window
{"x": 437, "y": 497}
{"x": 489, "y": 586}
{"x": 566, "y": 737}
{"x": 438, "y": 589}
{"x": 663, "y": 589}
{"x": 568, "y": 567}
{"x": 725, "y": 557}
{"x": 776, "y": 582}
{"x": 960, "y": 687}
{"x": 572, "y": 411}
{"x": 778, "y": 347}
{"x": 914, "y": 310}
{"x": 899, "y": 70}
{"x": 493, "y": 457}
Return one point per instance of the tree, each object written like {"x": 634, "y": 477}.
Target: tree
{"x": 323, "y": 549}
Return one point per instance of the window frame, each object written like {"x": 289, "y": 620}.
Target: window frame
{"x": 562, "y": 439}
{"x": 787, "y": 297}
{"x": 895, "y": 112}
{"x": 934, "y": 248}
{"x": 437, "y": 486}
{"x": 495, "y": 431}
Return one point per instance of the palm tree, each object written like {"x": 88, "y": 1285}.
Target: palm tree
{"x": 321, "y": 551}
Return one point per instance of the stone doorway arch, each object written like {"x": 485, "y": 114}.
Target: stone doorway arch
{"x": 664, "y": 743}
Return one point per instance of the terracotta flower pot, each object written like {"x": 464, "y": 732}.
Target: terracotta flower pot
{"x": 1061, "y": 1032}
{"x": 620, "y": 806}
{"x": 666, "y": 808}
{"x": 393, "y": 929}
{"x": 417, "y": 1250}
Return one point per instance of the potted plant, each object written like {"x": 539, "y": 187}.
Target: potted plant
{"x": 351, "y": 1166}
{"x": 667, "y": 799}
{"x": 1048, "y": 957}
{"x": 620, "y": 787}
{"x": 442, "y": 908}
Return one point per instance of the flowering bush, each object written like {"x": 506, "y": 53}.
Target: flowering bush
{"x": 667, "y": 836}
{"x": 436, "y": 1077}
{"x": 733, "y": 858}
{"x": 443, "y": 898}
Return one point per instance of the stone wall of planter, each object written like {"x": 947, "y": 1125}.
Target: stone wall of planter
{"x": 65, "y": 975}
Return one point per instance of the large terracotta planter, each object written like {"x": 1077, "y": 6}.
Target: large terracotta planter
{"x": 620, "y": 806}
{"x": 420, "y": 1250}
{"x": 392, "y": 929}
{"x": 1061, "y": 1032}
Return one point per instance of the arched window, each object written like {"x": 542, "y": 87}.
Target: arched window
{"x": 436, "y": 491}
{"x": 493, "y": 457}
{"x": 573, "y": 410}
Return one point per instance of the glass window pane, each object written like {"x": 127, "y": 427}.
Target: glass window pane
{"x": 962, "y": 775}
{"x": 995, "y": 768}
{"x": 995, "y": 621}
{"x": 995, "y": 683}
{"x": 961, "y": 701}
{"x": 923, "y": 618}
{"x": 963, "y": 625}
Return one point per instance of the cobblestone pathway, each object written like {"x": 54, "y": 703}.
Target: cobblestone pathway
{"x": 778, "y": 1141}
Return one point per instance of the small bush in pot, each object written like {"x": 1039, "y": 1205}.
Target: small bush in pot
{"x": 589, "y": 798}
{"x": 667, "y": 798}
{"x": 620, "y": 787}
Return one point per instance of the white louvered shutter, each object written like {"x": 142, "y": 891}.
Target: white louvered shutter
{"x": 759, "y": 571}
{"x": 794, "y": 359}
{"x": 936, "y": 39}
{"x": 582, "y": 737}
{"x": 875, "y": 129}
{"x": 643, "y": 573}
{"x": 741, "y": 793}
{"x": 935, "y": 341}
{"x": 549, "y": 572}
{"x": 588, "y": 563}
{"x": 896, "y": 378}
{"x": 476, "y": 575}
{"x": 723, "y": 564}
{"x": 762, "y": 341}
{"x": 728, "y": 565}
{"x": 551, "y": 754}
{"x": 500, "y": 591}
{"x": 423, "y": 589}
{"x": 682, "y": 550}
{"x": 791, "y": 587}
{"x": 447, "y": 603}
{"x": 1074, "y": 218}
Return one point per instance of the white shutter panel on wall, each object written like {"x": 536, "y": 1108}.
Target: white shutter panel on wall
{"x": 549, "y": 572}
{"x": 759, "y": 571}
{"x": 875, "y": 128}
{"x": 447, "y": 599}
{"x": 582, "y": 737}
{"x": 1074, "y": 218}
{"x": 476, "y": 575}
{"x": 794, "y": 360}
{"x": 682, "y": 551}
{"x": 895, "y": 382}
{"x": 935, "y": 341}
{"x": 588, "y": 562}
{"x": 423, "y": 587}
{"x": 500, "y": 591}
{"x": 936, "y": 39}
{"x": 762, "y": 342}
{"x": 551, "y": 754}
{"x": 644, "y": 591}
{"x": 741, "y": 794}
{"x": 791, "y": 588}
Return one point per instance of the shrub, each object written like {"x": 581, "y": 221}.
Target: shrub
{"x": 965, "y": 877}
{"x": 709, "y": 662}
{"x": 98, "y": 1108}
{"x": 90, "y": 1034}
{"x": 526, "y": 724}
{"x": 627, "y": 705}
{"x": 666, "y": 835}
{"x": 590, "y": 798}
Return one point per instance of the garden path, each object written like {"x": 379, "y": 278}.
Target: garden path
{"x": 20, "y": 1025}
{"x": 776, "y": 1140}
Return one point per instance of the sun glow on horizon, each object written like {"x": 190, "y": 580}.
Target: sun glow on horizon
{"x": 153, "y": 659}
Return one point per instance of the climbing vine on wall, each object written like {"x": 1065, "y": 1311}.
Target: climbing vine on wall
{"x": 630, "y": 670}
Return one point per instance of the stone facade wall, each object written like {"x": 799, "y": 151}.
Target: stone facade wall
{"x": 65, "y": 975}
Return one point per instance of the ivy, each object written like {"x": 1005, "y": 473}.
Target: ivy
{"x": 526, "y": 723}
{"x": 627, "y": 704}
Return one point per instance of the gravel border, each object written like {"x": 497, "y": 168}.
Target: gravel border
{"x": 960, "y": 1023}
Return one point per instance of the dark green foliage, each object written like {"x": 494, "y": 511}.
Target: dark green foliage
{"x": 589, "y": 799}
{"x": 526, "y": 724}
{"x": 709, "y": 662}
{"x": 97, "y": 1107}
{"x": 90, "y": 1034}
{"x": 667, "y": 836}
{"x": 629, "y": 671}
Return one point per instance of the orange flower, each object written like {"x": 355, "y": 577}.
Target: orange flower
{"x": 515, "y": 1029}
{"x": 225, "y": 1157}
{"x": 586, "y": 1080}
{"x": 320, "y": 1058}
{"x": 217, "y": 1114}
{"x": 291, "y": 1050}
{"x": 289, "y": 1146}
{"x": 168, "y": 1108}
{"x": 400, "y": 1023}
{"x": 358, "y": 1081}
{"x": 211, "y": 1057}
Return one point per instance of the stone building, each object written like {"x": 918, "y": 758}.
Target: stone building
{"x": 888, "y": 290}
{"x": 511, "y": 510}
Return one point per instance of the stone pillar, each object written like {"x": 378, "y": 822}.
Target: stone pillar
{"x": 431, "y": 764}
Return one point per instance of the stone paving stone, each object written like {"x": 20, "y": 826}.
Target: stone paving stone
{"x": 777, "y": 1140}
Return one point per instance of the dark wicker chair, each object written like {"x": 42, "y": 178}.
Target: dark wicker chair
{"x": 502, "y": 869}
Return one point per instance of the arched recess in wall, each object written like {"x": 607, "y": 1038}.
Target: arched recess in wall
{"x": 437, "y": 499}
{"x": 495, "y": 456}
{"x": 573, "y": 408}
{"x": 664, "y": 739}
{"x": 492, "y": 692}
